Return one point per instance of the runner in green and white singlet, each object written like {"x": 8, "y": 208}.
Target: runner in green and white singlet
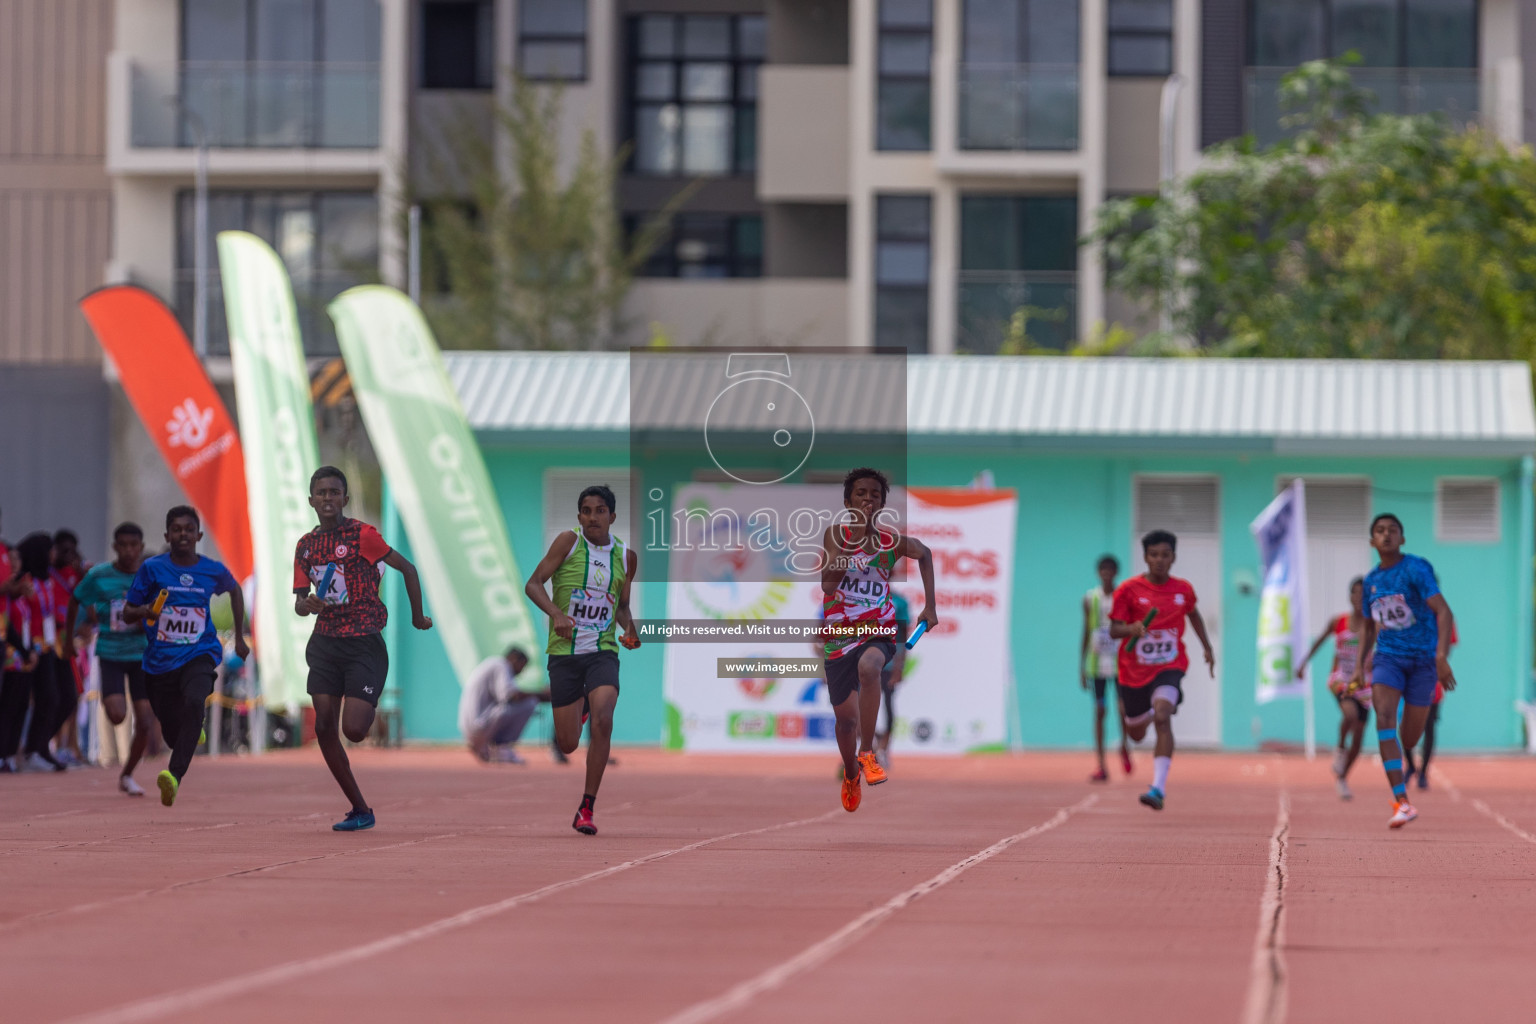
{"x": 592, "y": 571}
{"x": 1100, "y": 656}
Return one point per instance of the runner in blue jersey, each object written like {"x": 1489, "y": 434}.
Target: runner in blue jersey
{"x": 183, "y": 650}
{"x": 1409, "y": 624}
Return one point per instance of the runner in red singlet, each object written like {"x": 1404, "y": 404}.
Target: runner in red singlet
{"x": 1354, "y": 706}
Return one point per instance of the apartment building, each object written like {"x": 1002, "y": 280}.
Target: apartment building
{"x": 893, "y": 172}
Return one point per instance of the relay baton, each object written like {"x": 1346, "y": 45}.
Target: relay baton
{"x": 325, "y": 581}
{"x": 159, "y": 606}
{"x": 1146, "y": 623}
{"x": 917, "y": 634}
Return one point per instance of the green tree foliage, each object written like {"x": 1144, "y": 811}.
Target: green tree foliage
{"x": 522, "y": 253}
{"x": 1360, "y": 236}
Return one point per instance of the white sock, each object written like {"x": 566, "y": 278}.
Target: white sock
{"x": 1160, "y": 766}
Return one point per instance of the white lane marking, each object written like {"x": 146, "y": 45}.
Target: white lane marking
{"x": 816, "y": 954}
{"x": 1266, "y": 1002}
{"x": 116, "y": 839}
{"x": 1484, "y": 809}
{"x": 187, "y": 999}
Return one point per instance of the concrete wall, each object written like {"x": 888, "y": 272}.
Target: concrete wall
{"x": 53, "y": 453}
{"x": 775, "y": 311}
{"x": 1073, "y": 506}
{"x": 806, "y": 240}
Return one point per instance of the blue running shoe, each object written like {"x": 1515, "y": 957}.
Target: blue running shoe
{"x": 1153, "y": 798}
{"x": 355, "y": 821}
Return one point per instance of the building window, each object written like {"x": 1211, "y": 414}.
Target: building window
{"x": 707, "y": 245}
{"x": 903, "y": 105}
{"x": 1467, "y": 510}
{"x": 1019, "y": 75}
{"x": 1018, "y": 272}
{"x": 1386, "y": 33}
{"x": 458, "y": 44}
{"x": 552, "y": 40}
{"x": 903, "y": 257}
{"x": 693, "y": 93}
{"x": 1141, "y": 37}
{"x": 329, "y": 241}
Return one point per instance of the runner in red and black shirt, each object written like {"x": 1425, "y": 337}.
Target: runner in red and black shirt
{"x": 342, "y": 560}
{"x": 1151, "y": 610}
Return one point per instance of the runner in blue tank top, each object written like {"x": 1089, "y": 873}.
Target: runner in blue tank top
{"x": 1409, "y": 624}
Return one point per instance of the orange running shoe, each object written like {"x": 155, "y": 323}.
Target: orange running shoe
{"x": 1402, "y": 813}
{"x": 852, "y": 794}
{"x": 873, "y": 773}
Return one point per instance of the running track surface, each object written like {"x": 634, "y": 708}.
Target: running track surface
{"x": 736, "y": 889}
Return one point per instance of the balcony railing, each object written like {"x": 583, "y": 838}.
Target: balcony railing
{"x": 311, "y": 294}
{"x": 1449, "y": 91}
{"x": 1011, "y": 107}
{"x": 994, "y": 303}
{"x": 246, "y": 105}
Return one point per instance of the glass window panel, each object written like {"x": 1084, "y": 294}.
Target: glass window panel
{"x": 1052, "y": 32}
{"x": 656, "y": 137}
{"x": 351, "y": 31}
{"x": 752, "y": 37}
{"x": 285, "y": 30}
{"x": 901, "y": 318}
{"x": 987, "y": 233}
{"x": 553, "y": 60}
{"x": 1442, "y": 34}
{"x": 349, "y": 231}
{"x": 1154, "y": 15}
{"x": 903, "y": 217}
{"x": 214, "y": 30}
{"x": 749, "y": 237}
{"x": 1368, "y": 27}
{"x": 451, "y": 51}
{"x": 706, "y": 36}
{"x": 993, "y": 29}
{"x": 1287, "y": 32}
{"x": 553, "y": 17}
{"x": 903, "y": 116}
{"x": 746, "y": 140}
{"x": 1049, "y": 235}
{"x": 1140, "y": 55}
{"x": 707, "y": 139}
{"x": 904, "y": 53}
{"x": 746, "y": 81}
{"x": 653, "y": 81}
{"x": 901, "y": 263}
{"x": 706, "y": 81}
{"x": 657, "y": 36}
{"x": 906, "y": 14}
{"x": 296, "y": 238}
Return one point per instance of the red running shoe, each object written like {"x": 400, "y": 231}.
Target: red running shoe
{"x": 1125, "y": 761}
{"x": 1099, "y": 776}
{"x": 583, "y": 822}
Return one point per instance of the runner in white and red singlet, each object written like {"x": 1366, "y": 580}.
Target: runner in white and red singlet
{"x": 1354, "y": 705}
{"x": 860, "y": 626}
{"x": 1151, "y": 610}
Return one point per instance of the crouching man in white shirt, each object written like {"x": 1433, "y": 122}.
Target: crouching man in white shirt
{"x": 493, "y": 712}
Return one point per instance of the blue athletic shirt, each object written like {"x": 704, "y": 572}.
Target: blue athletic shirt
{"x": 1398, "y": 599}
{"x": 185, "y": 628}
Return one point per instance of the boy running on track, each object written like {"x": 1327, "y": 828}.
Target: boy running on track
{"x": 347, "y": 659}
{"x": 182, "y": 650}
{"x": 1100, "y": 653}
{"x": 119, "y": 646}
{"x": 856, "y": 581}
{"x": 1354, "y": 706}
{"x": 592, "y": 572}
{"x": 1152, "y": 666}
{"x": 1409, "y": 627}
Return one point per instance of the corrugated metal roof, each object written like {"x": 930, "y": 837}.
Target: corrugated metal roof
{"x": 1298, "y": 404}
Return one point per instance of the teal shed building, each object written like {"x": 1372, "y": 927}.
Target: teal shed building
{"x": 1099, "y": 451}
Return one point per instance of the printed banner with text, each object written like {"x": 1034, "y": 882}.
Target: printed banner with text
{"x": 954, "y": 696}
{"x": 1281, "y": 533}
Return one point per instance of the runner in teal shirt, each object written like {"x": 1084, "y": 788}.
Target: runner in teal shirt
{"x": 119, "y": 646}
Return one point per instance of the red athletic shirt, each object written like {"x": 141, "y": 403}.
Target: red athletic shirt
{"x": 1162, "y": 649}
{"x": 66, "y": 580}
{"x": 6, "y": 568}
{"x": 352, "y": 605}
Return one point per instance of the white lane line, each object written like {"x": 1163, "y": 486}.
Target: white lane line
{"x": 817, "y": 954}
{"x": 1484, "y": 809}
{"x": 115, "y": 839}
{"x": 1267, "y": 978}
{"x": 187, "y": 999}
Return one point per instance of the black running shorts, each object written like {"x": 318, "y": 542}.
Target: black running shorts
{"x": 115, "y": 673}
{"x": 843, "y": 673}
{"x": 1136, "y": 701}
{"x": 574, "y": 676}
{"x": 347, "y": 666}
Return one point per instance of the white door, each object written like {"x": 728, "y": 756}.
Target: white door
{"x": 1189, "y": 507}
{"x": 1338, "y": 549}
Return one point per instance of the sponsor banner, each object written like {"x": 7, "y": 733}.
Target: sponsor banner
{"x": 184, "y": 415}
{"x": 277, "y": 426}
{"x": 1281, "y": 533}
{"x": 971, "y": 534}
{"x": 438, "y": 479}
